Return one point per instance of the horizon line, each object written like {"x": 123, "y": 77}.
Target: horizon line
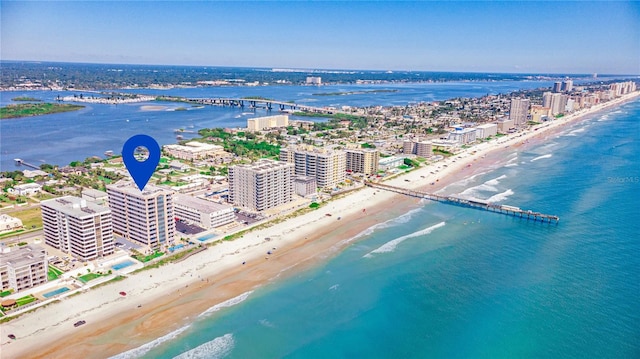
{"x": 307, "y": 69}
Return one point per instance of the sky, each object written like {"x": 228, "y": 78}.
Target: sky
{"x": 478, "y": 36}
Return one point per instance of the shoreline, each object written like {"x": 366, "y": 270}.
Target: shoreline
{"x": 186, "y": 289}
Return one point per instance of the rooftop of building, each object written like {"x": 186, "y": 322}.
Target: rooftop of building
{"x": 75, "y": 206}
{"x": 129, "y": 188}
{"x": 199, "y": 204}
{"x": 24, "y": 255}
{"x": 93, "y": 193}
{"x": 265, "y": 165}
{"x": 194, "y": 146}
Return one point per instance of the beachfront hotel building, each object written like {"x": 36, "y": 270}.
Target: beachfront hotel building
{"x": 418, "y": 148}
{"x": 262, "y": 185}
{"x": 192, "y": 151}
{"x": 486, "y": 130}
{"x": 263, "y": 123}
{"x": 363, "y": 160}
{"x": 462, "y": 135}
{"x": 203, "y": 213}
{"x": 519, "y": 111}
{"x": 78, "y": 227}
{"x": 145, "y": 217}
{"x": 327, "y": 166}
{"x": 23, "y": 267}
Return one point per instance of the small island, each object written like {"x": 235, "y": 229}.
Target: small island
{"x": 26, "y": 99}
{"x": 35, "y": 109}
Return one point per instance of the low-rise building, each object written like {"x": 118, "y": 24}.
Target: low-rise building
{"x": 193, "y": 150}
{"x": 23, "y": 267}
{"x": 26, "y": 189}
{"x": 305, "y": 185}
{"x": 201, "y": 212}
{"x": 262, "y": 123}
{"x": 8, "y": 223}
{"x": 388, "y": 163}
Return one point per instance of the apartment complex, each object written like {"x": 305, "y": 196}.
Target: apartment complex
{"x": 486, "y": 130}
{"x": 262, "y": 123}
{"x": 463, "y": 135}
{"x": 146, "y": 217}
{"x": 23, "y": 268}
{"x": 203, "y": 213}
{"x": 362, "y": 160}
{"x": 193, "y": 150}
{"x": 326, "y": 165}
{"x": 556, "y": 102}
{"x": 262, "y": 185}
{"x": 418, "y": 148}
{"x": 519, "y": 111}
{"x": 80, "y": 228}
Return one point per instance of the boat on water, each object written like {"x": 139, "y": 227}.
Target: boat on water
{"x": 108, "y": 153}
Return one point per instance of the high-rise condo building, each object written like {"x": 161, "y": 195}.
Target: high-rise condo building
{"x": 363, "y": 160}
{"x": 262, "y": 185}
{"x": 326, "y": 165}
{"x": 78, "y": 227}
{"x": 23, "y": 267}
{"x": 146, "y": 217}
{"x": 567, "y": 85}
{"x": 557, "y": 87}
{"x": 519, "y": 111}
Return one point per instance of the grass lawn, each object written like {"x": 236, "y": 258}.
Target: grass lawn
{"x": 29, "y": 217}
{"x": 105, "y": 179}
{"x": 5, "y": 293}
{"x": 53, "y": 273}
{"x": 144, "y": 259}
{"x": 25, "y": 300}
{"x": 87, "y": 277}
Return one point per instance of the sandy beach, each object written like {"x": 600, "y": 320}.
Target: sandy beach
{"x": 162, "y": 300}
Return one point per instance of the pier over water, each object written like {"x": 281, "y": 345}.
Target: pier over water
{"x": 479, "y": 204}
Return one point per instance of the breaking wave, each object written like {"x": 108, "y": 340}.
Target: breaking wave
{"x": 227, "y": 303}
{"x": 217, "y": 348}
{"x": 392, "y": 244}
{"x": 541, "y": 157}
{"x": 143, "y": 349}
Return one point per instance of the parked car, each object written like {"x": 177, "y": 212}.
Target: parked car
{"x": 79, "y": 323}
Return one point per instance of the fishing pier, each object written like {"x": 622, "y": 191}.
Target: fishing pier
{"x": 478, "y": 204}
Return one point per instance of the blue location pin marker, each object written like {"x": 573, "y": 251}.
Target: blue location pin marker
{"x": 141, "y": 171}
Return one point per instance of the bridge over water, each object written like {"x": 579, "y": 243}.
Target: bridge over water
{"x": 261, "y": 103}
{"x": 478, "y": 204}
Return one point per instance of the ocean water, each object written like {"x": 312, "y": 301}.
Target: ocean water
{"x": 441, "y": 281}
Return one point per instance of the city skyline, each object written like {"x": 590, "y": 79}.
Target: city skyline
{"x": 522, "y": 37}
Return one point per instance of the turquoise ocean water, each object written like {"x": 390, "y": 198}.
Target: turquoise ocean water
{"x": 438, "y": 281}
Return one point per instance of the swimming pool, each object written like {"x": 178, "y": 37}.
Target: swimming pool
{"x": 176, "y": 247}
{"x": 204, "y": 238}
{"x": 55, "y": 292}
{"x": 122, "y": 265}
